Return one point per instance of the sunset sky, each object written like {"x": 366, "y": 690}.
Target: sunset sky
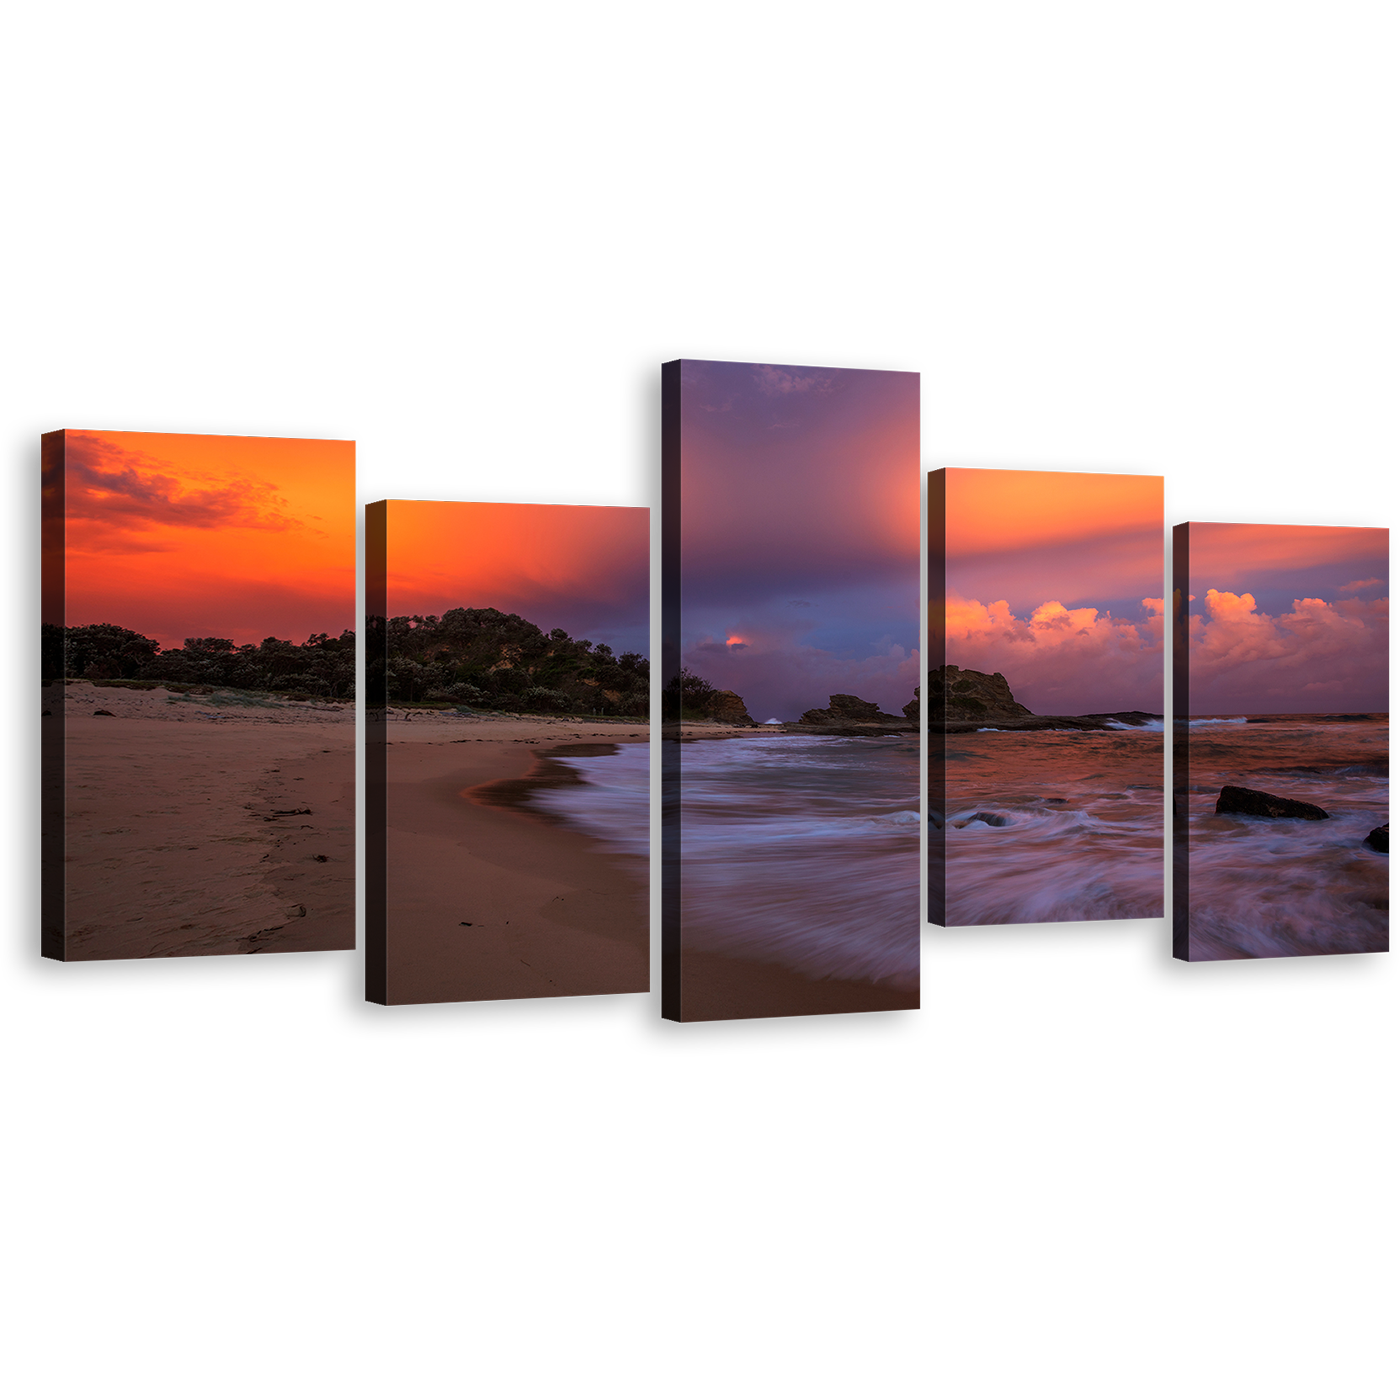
{"x": 1055, "y": 580}
{"x": 175, "y": 535}
{"x": 583, "y": 568}
{"x": 1288, "y": 619}
{"x": 800, "y": 533}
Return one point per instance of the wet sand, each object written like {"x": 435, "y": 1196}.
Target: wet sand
{"x": 708, "y": 986}
{"x": 488, "y": 900}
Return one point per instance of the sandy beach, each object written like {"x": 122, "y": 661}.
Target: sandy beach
{"x": 205, "y": 823}
{"x": 489, "y": 899}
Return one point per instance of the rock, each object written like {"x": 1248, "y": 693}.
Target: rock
{"x": 1379, "y": 839}
{"x": 911, "y": 710}
{"x": 108, "y": 713}
{"x": 848, "y": 709}
{"x": 1138, "y": 718}
{"x": 957, "y": 694}
{"x": 1250, "y": 803}
{"x": 728, "y": 708}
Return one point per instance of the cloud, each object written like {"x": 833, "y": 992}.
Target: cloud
{"x": 1257, "y": 662}
{"x": 1360, "y": 585}
{"x": 779, "y": 675}
{"x": 117, "y": 493}
{"x": 775, "y": 379}
{"x": 1062, "y": 660}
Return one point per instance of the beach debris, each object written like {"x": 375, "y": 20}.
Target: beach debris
{"x": 1249, "y": 802}
{"x": 108, "y": 713}
{"x": 466, "y": 923}
{"x": 322, "y": 859}
{"x": 1379, "y": 839}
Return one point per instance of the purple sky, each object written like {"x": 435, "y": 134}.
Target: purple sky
{"x": 800, "y": 533}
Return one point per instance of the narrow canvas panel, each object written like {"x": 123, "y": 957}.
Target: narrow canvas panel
{"x": 1045, "y": 684}
{"x": 507, "y": 823}
{"x": 1280, "y": 743}
{"x": 199, "y": 695}
{"x": 790, "y": 580}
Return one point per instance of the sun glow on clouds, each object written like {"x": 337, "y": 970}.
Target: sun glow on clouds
{"x": 1063, "y": 660}
{"x": 1318, "y": 655}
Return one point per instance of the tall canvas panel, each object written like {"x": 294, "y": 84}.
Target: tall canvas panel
{"x": 507, "y": 822}
{"x": 790, "y": 584}
{"x": 199, "y": 695}
{"x": 1045, "y": 749}
{"x": 1280, "y": 744}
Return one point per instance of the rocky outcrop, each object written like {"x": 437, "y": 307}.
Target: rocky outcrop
{"x": 1136, "y": 718}
{"x": 1250, "y": 803}
{"x": 1379, "y": 839}
{"x": 849, "y": 709}
{"x": 955, "y": 694}
{"x": 911, "y": 710}
{"x": 728, "y": 708}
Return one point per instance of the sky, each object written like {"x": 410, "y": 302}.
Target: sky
{"x": 586, "y": 569}
{"x": 1055, "y": 580}
{"x": 800, "y": 533}
{"x": 176, "y": 535}
{"x": 1288, "y": 619}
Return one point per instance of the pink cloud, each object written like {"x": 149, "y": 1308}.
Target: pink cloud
{"x": 1244, "y": 658}
{"x": 1359, "y": 585}
{"x": 1063, "y": 660}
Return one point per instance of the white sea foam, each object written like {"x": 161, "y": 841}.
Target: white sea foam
{"x": 803, "y": 851}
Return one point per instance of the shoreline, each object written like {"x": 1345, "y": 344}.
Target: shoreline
{"x": 718, "y": 987}
{"x": 490, "y": 901}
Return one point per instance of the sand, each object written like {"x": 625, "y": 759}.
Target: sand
{"x": 187, "y": 829}
{"x": 488, "y": 900}
{"x": 186, "y": 835}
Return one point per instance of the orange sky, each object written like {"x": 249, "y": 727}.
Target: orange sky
{"x": 1055, "y": 579}
{"x": 583, "y": 568}
{"x": 177, "y": 535}
{"x": 993, "y": 511}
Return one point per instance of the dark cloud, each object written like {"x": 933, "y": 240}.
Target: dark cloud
{"x": 122, "y": 492}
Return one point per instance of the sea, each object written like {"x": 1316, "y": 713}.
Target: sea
{"x": 797, "y": 850}
{"x": 1263, "y": 888}
{"x": 1049, "y": 826}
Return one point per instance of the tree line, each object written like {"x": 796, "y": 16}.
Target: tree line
{"x": 477, "y": 658}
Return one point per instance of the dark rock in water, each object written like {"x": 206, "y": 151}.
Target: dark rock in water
{"x": 728, "y": 708}
{"x": 1054, "y": 799}
{"x": 1379, "y": 839}
{"x": 849, "y": 709}
{"x": 108, "y": 713}
{"x": 986, "y": 818}
{"x": 1137, "y": 718}
{"x": 1250, "y": 803}
{"x": 911, "y": 710}
{"x": 958, "y": 694}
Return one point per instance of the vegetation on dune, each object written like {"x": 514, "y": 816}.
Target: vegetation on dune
{"x": 475, "y": 657}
